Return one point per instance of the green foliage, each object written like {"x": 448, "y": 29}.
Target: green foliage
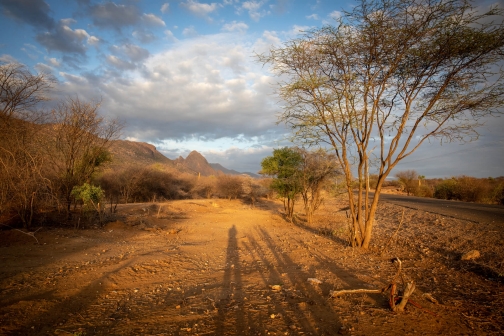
{"x": 447, "y": 189}
{"x": 88, "y": 194}
{"x": 284, "y": 166}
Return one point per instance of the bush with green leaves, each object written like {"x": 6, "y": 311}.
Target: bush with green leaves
{"x": 90, "y": 195}
{"x": 285, "y": 168}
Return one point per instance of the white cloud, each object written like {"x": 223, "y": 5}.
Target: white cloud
{"x": 8, "y": 59}
{"x": 93, "y": 40}
{"x": 190, "y": 32}
{"x": 313, "y": 17}
{"x": 54, "y": 62}
{"x": 199, "y": 9}
{"x": 144, "y": 36}
{"x": 207, "y": 87}
{"x": 169, "y": 36}
{"x": 335, "y": 15}
{"x": 254, "y": 9}
{"x": 235, "y": 27}
{"x": 296, "y": 30}
{"x": 64, "y": 39}
{"x": 132, "y": 52}
{"x": 246, "y": 158}
{"x": 120, "y": 63}
{"x": 43, "y": 68}
{"x": 153, "y": 20}
{"x": 268, "y": 40}
{"x": 165, "y": 8}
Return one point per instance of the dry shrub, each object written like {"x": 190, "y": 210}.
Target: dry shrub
{"x": 471, "y": 189}
{"x": 147, "y": 184}
{"x": 204, "y": 187}
{"x": 229, "y": 186}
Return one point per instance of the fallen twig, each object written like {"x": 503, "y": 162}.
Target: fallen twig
{"x": 397, "y": 303}
{"x": 31, "y": 234}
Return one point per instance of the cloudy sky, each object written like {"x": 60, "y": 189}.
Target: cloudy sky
{"x": 183, "y": 76}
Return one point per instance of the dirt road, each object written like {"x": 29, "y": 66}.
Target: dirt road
{"x": 216, "y": 267}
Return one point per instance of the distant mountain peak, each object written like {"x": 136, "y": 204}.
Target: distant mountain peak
{"x": 195, "y": 155}
{"x": 140, "y": 153}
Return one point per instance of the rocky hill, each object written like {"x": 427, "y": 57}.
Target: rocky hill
{"x": 126, "y": 153}
{"x": 197, "y": 164}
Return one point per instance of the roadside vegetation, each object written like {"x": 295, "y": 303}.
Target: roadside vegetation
{"x": 461, "y": 188}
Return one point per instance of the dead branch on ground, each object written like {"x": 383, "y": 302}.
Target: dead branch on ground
{"x": 31, "y": 234}
{"x": 397, "y": 302}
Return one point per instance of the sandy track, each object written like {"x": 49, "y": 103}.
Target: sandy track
{"x": 201, "y": 267}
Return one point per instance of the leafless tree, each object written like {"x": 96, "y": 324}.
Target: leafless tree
{"x": 22, "y": 184}
{"x": 389, "y": 76}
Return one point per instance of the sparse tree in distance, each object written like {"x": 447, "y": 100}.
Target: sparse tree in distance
{"x": 408, "y": 180}
{"x": 284, "y": 166}
{"x": 253, "y": 189}
{"x": 317, "y": 170}
{"x": 389, "y": 76}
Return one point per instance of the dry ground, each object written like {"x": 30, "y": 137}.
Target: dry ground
{"x": 216, "y": 267}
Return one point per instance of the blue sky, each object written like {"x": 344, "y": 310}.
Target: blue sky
{"x": 183, "y": 76}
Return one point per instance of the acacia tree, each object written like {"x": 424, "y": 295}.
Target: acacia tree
{"x": 389, "y": 76}
{"x": 284, "y": 165}
{"x": 82, "y": 139}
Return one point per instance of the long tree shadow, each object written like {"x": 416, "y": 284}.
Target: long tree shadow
{"x": 277, "y": 209}
{"x": 299, "y": 223}
{"x": 302, "y": 304}
{"x": 317, "y": 296}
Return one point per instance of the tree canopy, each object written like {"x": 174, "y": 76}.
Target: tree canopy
{"x": 390, "y": 75}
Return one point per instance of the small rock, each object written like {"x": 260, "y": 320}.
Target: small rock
{"x": 314, "y": 281}
{"x": 272, "y": 316}
{"x": 276, "y": 287}
{"x": 474, "y": 254}
{"x": 343, "y": 331}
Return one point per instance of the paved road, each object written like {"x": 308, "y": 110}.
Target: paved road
{"x": 462, "y": 210}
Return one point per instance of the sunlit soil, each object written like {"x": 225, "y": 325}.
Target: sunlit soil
{"x": 217, "y": 267}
